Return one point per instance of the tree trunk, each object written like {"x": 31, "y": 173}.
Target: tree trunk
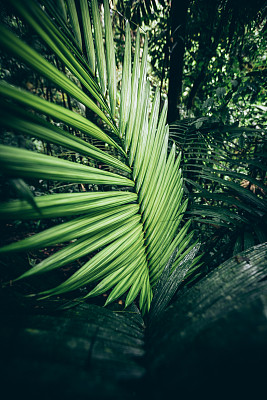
{"x": 178, "y": 23}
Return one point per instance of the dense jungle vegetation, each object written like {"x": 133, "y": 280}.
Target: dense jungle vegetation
{"x": 133, "y": 198}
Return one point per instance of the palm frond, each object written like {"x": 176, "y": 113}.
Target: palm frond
{"x": 225, "y": 178}
{"x": 129, "y": 232}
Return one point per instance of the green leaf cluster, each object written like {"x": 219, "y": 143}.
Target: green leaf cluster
{"x": 224, "y": 170}
{"x": 130, "y": 230}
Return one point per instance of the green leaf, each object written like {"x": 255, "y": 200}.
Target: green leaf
{"x": 169, "y": 282}
{"x": 118, "y": 239}
{"x": 88, "y": 35}
{"x": 111, "y": 65}
{"x": 140, "y": 104}
{"x": 24, "y": 163}
{"x": 99, "y": 46}
{"x": 62, "y": 47}
{"x": 13, "y": 44}
{"x": 74, "y": 21}
{"x": 126, "y": 282}
{"x": 24, "y": 193}
{"x": 125, "y": 100}
{"x": 61, "y": 8}
{"x": 55, "y": 111}
{"x": 39, "y": 128}
{"x": 59, "y": 205}
{"x": 131, "y": 263}
{"x": 86, "y": 225}
{"x": 133, "y": 89}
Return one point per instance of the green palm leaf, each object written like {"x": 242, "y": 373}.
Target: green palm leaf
{"x": 130, "y": 230}
{"x": 88, "y": 35}
{"x": 224, "y": 174}
{"x": 62, "y": 205}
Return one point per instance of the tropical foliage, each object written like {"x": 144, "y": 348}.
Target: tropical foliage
{"x": 219, "y": 50}
{"x": 117, "y": 143}
{"x": 224, "y": 171}
{"x": 93, "y": 195}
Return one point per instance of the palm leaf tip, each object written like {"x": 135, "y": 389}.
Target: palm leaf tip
{"x": 128, "y": 232}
